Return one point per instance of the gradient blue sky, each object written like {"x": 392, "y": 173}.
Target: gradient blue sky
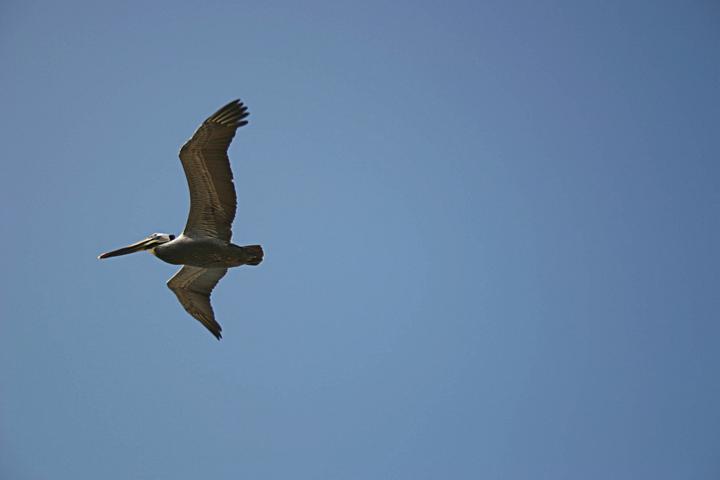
{"x": 491, "y": 230}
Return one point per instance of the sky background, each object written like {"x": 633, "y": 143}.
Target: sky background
{"x": 491, "y": 234}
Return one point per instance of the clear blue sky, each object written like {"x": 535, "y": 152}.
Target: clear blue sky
{"x": 491, "y": 234}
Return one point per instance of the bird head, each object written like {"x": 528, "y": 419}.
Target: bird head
{"x": 147, "y": 243}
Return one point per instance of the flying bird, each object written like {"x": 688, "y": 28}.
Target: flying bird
{"x": 204, "y": 248}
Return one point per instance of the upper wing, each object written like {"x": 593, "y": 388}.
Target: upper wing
{"x": 207, "y": 169}
{"x": 193, "y": 285}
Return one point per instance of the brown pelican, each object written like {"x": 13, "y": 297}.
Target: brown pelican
{"x": 204, "y": 247}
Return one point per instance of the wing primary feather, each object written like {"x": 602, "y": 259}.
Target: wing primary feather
{"x": 230, "y": 115}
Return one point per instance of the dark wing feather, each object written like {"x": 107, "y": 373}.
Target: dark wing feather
{"x": 192, "y": 286}
{"x": 207, "y": 169}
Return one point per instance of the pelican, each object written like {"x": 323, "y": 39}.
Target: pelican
{"x": 203, "y": 248}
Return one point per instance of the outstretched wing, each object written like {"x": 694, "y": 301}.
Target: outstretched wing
{"x": 207, "y": 169}
{"x": 192, "y": 286}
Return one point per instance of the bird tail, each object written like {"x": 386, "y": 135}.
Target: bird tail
{"x": 253, "y": 254}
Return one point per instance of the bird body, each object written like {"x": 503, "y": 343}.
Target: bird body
{"x": 206, "y": 252}
{"x": 204, "y": 248}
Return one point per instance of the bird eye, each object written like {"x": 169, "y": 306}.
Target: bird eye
{"x": 172, "y": 237}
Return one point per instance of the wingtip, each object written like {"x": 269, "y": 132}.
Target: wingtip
{"x": 216, "y": 330}
{"x": 231, "y": 115}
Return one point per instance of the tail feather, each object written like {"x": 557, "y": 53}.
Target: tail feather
{"x": 253, "y": 254}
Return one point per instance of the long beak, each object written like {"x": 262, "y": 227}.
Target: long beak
{"x": 135, "y": 247}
